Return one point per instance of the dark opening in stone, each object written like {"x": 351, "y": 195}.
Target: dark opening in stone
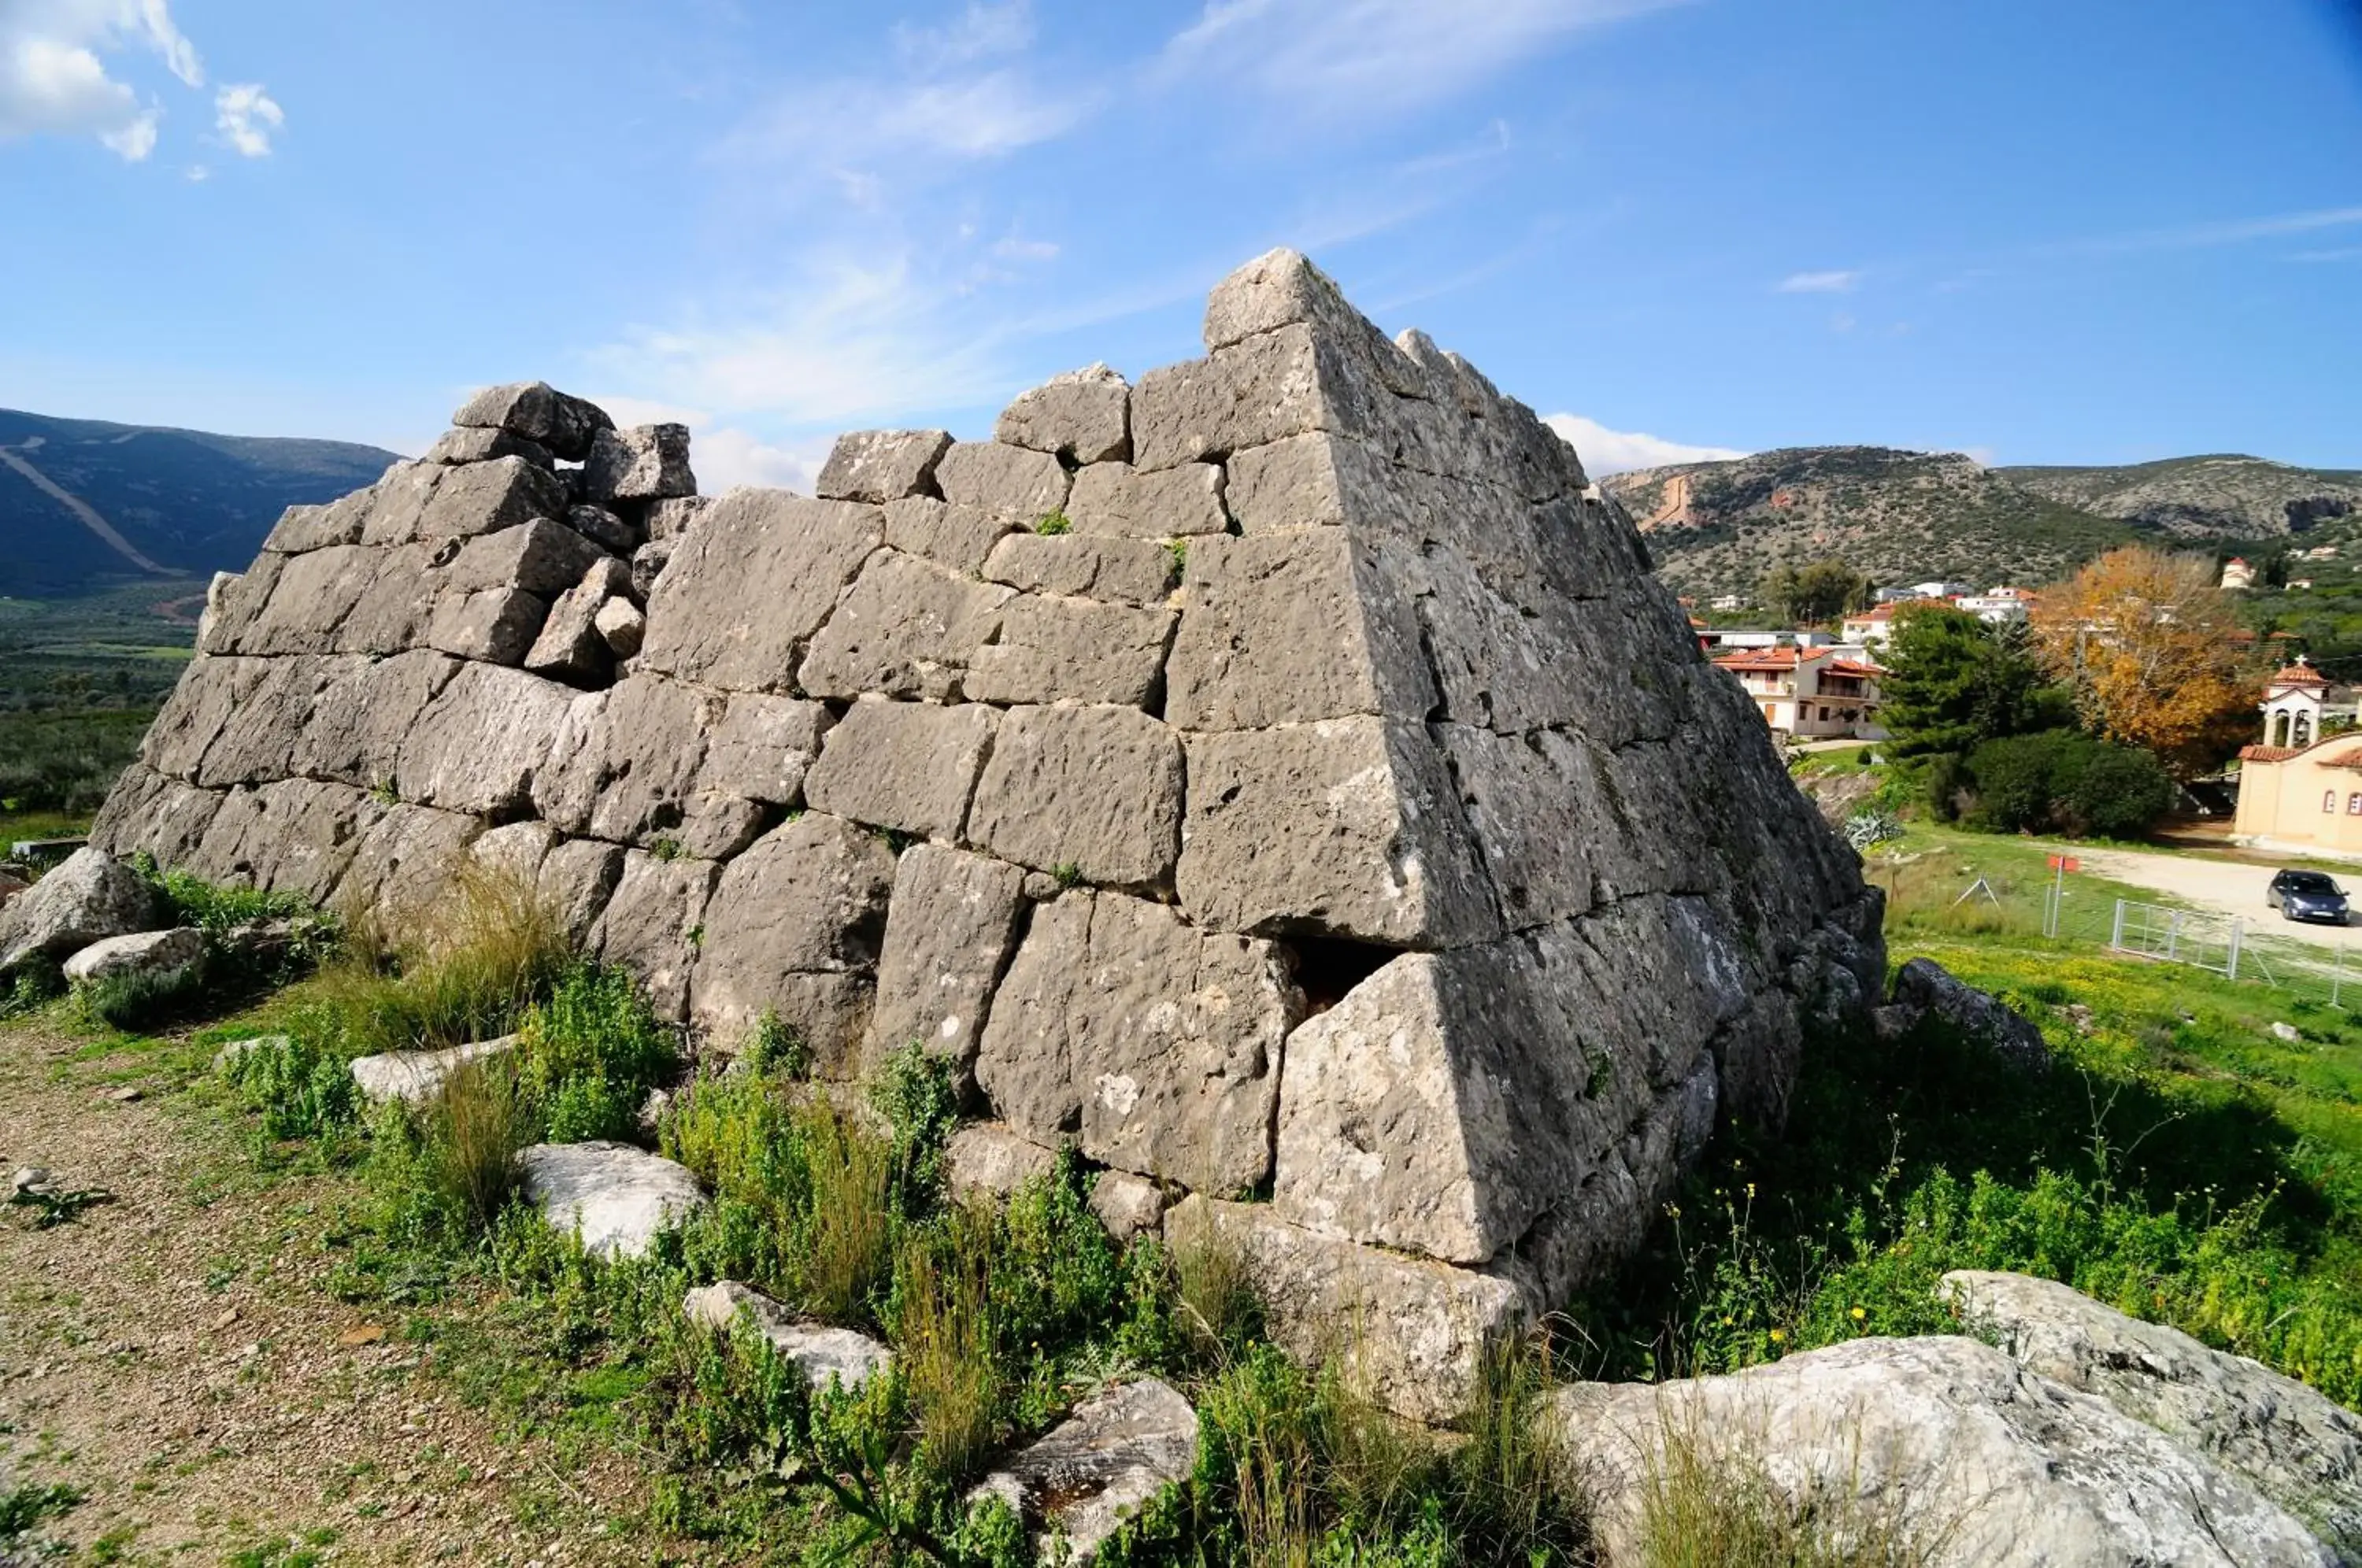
{"x": 1328, "y": 967}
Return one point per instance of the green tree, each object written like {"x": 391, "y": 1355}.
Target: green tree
{"x": 2065, "y": 779}
{"x": 1953, "y": 682}
{"x": 1820, "y": 592}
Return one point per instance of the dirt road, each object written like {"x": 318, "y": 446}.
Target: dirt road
{"x": 2225, "y": 886}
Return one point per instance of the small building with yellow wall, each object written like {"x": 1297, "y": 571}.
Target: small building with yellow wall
{"x": 2301, "y": 792}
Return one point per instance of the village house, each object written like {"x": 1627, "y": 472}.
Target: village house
{"x": 2237, "y": 574}
{"x": 2301, "y": 790}
{"x": 1809, "y": 693}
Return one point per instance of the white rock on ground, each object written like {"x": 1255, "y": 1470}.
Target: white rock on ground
{"x": 616, "y": 1197}
{"x": 823, "y": 1352}
{"x": 87, "y": 899}
{"x": 1977, "y": 1458}
{"x": 154, "y": 955}
{"x": 416, "y": 1077}
{"x": 1097, "y": 1468}
{"x": 237, "y": 1048}
{"x": 2295, "y": 1446}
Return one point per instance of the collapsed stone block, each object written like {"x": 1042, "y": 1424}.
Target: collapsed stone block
{"x": 1093, "y": 792}
{"x": 878, "y": 466}
{"x": 1083, "y": 415}
{"x": 1155, "y": 1044}
{"x": 647, "y": 462}
{"x": 570, "y": 646}
{"x": 668, "y": 517}
{"x": 621, "y": 626}
{"x": 87, "y": 899}
{"x": 910, "y": 767}
{"x": 539, "y": 413}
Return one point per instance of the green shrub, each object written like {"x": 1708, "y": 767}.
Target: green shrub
{"x": 851, "y": 1226}
{"x": 591, "y": 1054}
{"x": 301, "y": 1090}
{"x": 776, "y": 1046}
{"x": 37, "y": 983}
{"x": 914, "y": 1090}
{"x": 140, "y": 1001}
{"x": 2065, "y": 779}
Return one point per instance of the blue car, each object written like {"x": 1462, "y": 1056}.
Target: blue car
{"x": 2307, "y": 895}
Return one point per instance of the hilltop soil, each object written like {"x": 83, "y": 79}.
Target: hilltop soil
{"x": 172, "y": 1353}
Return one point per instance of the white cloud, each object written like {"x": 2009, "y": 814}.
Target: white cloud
{"x": 725, "y": 457}
{"x": 53, "y": 81}
{"x": 980, "y": 32}
{"x": 1835, "y": 282}
{"x": 1606, "y": 451}
{"x": 2236, "y": 231}
{"x": 1352, "y": 58}
{"x": 246, "y": 117}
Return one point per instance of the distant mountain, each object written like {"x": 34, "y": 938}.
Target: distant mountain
{"x": 84, "y": 503}
{"x": 2226, "y": 496}
{"x": 1899, "y": 516}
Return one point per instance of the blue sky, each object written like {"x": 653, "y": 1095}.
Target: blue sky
{"x": 2099, "y": 231}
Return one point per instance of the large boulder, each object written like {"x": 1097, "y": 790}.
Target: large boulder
{"x": 825, "y": 1354}
{"x": 88, "y": 897}
{"x": 614, "y": 1199}
{"x": 416, "y": 1078}
{"x": 1945, "y": 1442}
{"x": 1923, "y": 987}
{"x": 2296, "y": 1447}
{"x": 1083, "y": 1479}
{"x": 160, "y": 958}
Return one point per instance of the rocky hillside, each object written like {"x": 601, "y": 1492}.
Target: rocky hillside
{"x": 83, "y": 503}
{"x": 2212, "y": 497}
{"x": 1899, "y": 516}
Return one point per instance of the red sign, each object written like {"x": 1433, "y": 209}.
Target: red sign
{"x": 2065, "y": 863}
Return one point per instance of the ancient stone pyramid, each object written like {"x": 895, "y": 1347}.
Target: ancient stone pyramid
{"x": 1283, "y": 779}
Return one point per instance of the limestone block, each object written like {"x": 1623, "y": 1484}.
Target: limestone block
{"x": 192, "y": 718}
{"x": 398, "y": 503}
{"x": 313, "y": 593}
{"x": 233, "y": 603}
{"x": 907, "y": 629}
{"x": 824, "y": 1354}
{"x": 620, "y": 625}
{"x": 652, "y": 923}
{"x": 647, "y": 563}
{"x": 514, "y": 851}
{"x": 1128, "y": 571}
{"x": 985, "y": 1159}
{"x": 541, "y": 556}
{"x": 160, "y": 958}
{"x": 615, "y": 1197}
{"x": 949, "y": 933}
{"x": 2299, "y": 1450}
{"x": 1008, "y": 481}
{"x": 407, "y": 858}
{"x": 1083, "y": 415}
{"x": 478, "y": 444}
{"x": 86, "y": 898}
{"x": 1537, "y": 809}
{"x": 2002, "y": 1466}
{"x": 763, "y": 746}
{"x": 145, "y": 810}
{"x": 1280, "y": 628}
{"x": 1118, "y": 500}
{"x": 906, "y": 766}
{"x": 570, "y": 647}
{"x": 396, "y": 608}
{"x": 484, "y": 498}
{"x": 298, "y": 835}
{"x": 878, "y": 466}
{"x": 1310, "y": 480}
{"x": 647, "y": 462}
{"x": 260, "y": 734}
{"x": 1051, "y": 649}
{"x": 340, "y": 521}
{"x": 809, "y": 897}
{"x": 1279, "y": 288}
{"x": 1927, "y": 985}
{"x": 1160, "y": 1042}
{"x": 626, "y": 763}
{"x": 960, "y": 538}
{"x": 576, "y": 878}
{"x": 416, "y": 1078}
{"x": 358, "y": 722}
{"x": 1129, "y": 1206}
{"x": 1276, "y": 384}
{"x": 497, "y": 625}
{"x": 1409, "y": 1333}
{"x": 668, "y": 517}
{"x": 1095, "y": 791}
{"x": 750, "y": 584}
{"x": 481, "y": 743}
{"x": 1079, "y": 1483}
{"x": 606, "y": 528}
{"x": 1350, "y": 827}
{"x": 538, "y": 413}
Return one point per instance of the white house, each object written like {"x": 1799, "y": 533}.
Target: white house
{"x": 1998, "y": 605}
{"x": 1808, "y": 692}
{"x": 2237, "y": 574}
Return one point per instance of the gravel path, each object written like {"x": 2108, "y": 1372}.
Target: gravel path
{"x": 2225, "y": 886}
{"x": 174, "y": 1355}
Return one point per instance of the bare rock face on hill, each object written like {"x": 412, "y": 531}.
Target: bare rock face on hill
{"x": 1402, "y": 883}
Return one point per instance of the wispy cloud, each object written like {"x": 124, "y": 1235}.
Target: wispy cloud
{"x": 2193, "y": 236}
{"x": 2342, "y": 253}
{"x": 1836, "y": 282}
{"x": 1606, "y": 451}
{"x": 53, "y": 81}
{"x": 1361, "y": 59}
{"x": 247, "y": 118}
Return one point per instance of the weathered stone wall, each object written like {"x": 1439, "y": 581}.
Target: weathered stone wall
{"x": 1324, "y": 805}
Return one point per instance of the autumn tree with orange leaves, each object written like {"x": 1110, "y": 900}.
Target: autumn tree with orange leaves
{"x": 2150, "y": 646}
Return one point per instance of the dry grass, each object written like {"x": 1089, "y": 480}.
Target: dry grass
{"x": 476, "y": 1128}
{"x": 947, "y": 1340}
{"x": 1214, "y": 1293}
{"x": 854, "y": 1222}
{"x": 448, "y": 970}
{"x": 1709, "y": 1502}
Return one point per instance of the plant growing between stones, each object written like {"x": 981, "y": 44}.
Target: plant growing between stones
{"x": 1054, "y": 525}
